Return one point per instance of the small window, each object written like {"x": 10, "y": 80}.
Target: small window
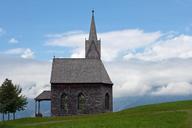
{"x": 81, "y": 102}
{"x": 107, "y": 101}
{"x": 64, "y": 102}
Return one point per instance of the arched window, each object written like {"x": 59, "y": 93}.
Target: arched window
{"x": 107, "y": 101}
{"x": 64, "y": 102}
{"x": 81, "y": 102}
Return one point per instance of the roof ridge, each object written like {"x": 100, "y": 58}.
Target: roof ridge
{"x": 75, "y": 59}
{"x": 68, "y": 58}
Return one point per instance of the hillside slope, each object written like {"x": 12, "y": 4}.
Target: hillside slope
{"x": 165, "y": 115}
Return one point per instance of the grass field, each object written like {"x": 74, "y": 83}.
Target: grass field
{"x": 165, "y": 115}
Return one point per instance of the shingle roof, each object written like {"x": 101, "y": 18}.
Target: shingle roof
{"x": 45, "y": 95}
{"x": 81, "y": 70}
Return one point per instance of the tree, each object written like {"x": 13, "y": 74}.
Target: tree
{"x": 20, "y": 100}
{"x": 3, "y": 98}
{"x": 2, "y": 108}
{"x": 11, "y": 99}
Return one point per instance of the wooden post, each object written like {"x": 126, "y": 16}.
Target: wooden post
{"x": 14, "y": 116}
{"x": 38, "y": 107}
{"x": 8, "y": 117}
{"x": 35, "y": 107}
{"x": 3, "y": 116}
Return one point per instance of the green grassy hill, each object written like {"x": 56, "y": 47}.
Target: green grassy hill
{"x": 165, "y": 115}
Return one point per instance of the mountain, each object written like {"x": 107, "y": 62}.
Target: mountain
{"x": 133, "y": 101}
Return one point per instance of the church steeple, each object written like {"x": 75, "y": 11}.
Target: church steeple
{"x": 92, "y": 46}
{"x": 92, "y": 33}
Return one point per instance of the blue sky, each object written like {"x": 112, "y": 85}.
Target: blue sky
{"x": 28, "y": 21}
{"x": 146, "y": 44}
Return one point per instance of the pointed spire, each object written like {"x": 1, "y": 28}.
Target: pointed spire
{"x": 92, "y": 46}
{"x": 92, "y": 33}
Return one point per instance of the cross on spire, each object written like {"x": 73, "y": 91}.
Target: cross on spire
{"x": 93, "y": 12}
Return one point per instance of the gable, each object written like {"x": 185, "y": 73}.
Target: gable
{"x": 93, "y": 51}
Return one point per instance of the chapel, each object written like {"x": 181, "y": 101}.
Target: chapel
{"x": 80, "y": 85}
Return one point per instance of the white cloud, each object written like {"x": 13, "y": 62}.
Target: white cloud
{"x": 138, "y": 77}
{"x": 33, "y": 76}
{"x": 176, "y": 47}
{"x": 113, "y": 43}
{"x": 13, "y": 41}
{"x": 2, "y": 31}
{"x": 130, "y": 44}
{"x": 138, "y": 63}
{"x": 180, "y": 88}
{"x": 26, "y": 53}
{"x": 60, "y": 35}
{"x": 14, "y": 51}
{"x": 130, "y": 78}
{"x": 68, "y": 39}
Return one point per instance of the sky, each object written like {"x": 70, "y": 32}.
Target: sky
{"x": 146, "y": 45}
